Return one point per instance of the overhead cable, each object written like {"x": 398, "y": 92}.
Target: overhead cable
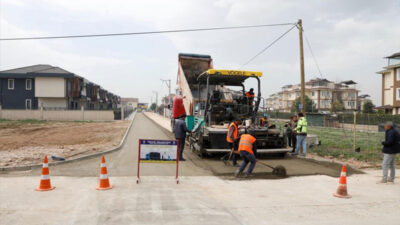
{"x": 143, "y": 33}
{"x": 266, "y": 48}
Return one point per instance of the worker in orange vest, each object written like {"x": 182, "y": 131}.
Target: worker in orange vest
{"x": 247, "y": 149}
{"x": 264, "y": 121}
{"x": 232, "y": 137}
{"x": 250, "y": 96}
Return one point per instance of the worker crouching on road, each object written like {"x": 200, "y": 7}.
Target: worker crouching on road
{"x": 180, "y": 134}
{"x": 247, "y": 150}
{"x": 391, "y": 146}
{"x": 301, "y": 132}
{"x": 232, "y": 137}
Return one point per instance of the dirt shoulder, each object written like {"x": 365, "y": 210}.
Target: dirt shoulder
{"x": 26, "y": 142}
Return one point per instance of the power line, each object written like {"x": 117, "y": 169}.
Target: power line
{"x": 266, "y": 48}
{"x": 144, "y": 32}
{"x": 315, "y": 60}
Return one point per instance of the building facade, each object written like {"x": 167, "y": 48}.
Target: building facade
{"x": 322, "y": 92}
{"x": 131, "y": 103}
{"x": 50, "y": 87}
{"x": 391, "y": 85}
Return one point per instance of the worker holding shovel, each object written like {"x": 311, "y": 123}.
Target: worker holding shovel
{"x": 247, "y": 148}
{"x": 232, "y": 137}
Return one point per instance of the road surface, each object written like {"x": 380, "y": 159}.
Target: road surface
{"x": 200, "y": 198}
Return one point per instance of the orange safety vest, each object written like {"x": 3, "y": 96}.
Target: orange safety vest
{"x": 246, "y": 143}
{"x": 249, "y": 95}
{"x": 262, "y": 121}
{"x": 235, "y": 133}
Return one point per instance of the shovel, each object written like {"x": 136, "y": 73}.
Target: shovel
{"x": 278, "y": 170}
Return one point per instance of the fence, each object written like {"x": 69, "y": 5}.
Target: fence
{"x": 64, "y": 115}
{"x": 342, "y": 138}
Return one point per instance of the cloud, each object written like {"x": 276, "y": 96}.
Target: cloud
{"x": 349, "y": 39}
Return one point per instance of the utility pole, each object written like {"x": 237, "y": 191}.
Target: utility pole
{"x": 156, "y": 92}
{"x": 168, "y": 83}
{"x": 303, "y": 87}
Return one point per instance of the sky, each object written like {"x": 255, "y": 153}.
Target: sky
{"x": 348, "y": 38}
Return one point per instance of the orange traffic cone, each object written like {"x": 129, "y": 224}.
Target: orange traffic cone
{"x": 45, "y": 184}
{"x": 104, "y": 183}
{"x": 342, "y": 189}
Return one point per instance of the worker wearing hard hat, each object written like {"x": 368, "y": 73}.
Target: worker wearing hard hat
{"x": 247, "y": 150}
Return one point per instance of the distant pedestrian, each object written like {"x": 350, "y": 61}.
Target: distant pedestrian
{"x": 301, "y": 132}
{"x": 294, "y": 133}
{"x": 289, "y": 131}
{"x": 264, "y": 122}
{"x": 247, "y": 150}
{"x": 180, "y": 134}
{"x": 391, "y": 146}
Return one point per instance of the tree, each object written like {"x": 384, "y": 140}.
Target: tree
{"x": 368, "y": 107}
{"x": 310, "y": 106}
{"x": 337, "y": 106}
{"x": 153, "y": 106}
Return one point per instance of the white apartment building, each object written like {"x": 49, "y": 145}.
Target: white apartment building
{"x": 321, "y": 91}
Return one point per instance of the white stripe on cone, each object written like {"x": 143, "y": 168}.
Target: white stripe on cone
{"x": 343, "y": 174}
{"x": 102, "y": 165}
{"x": 45, "y": 165}
{"x": 103, "y": 176}
{"x": 45, "y": 177}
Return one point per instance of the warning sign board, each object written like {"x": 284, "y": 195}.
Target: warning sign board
{"x": 158, "y": 151}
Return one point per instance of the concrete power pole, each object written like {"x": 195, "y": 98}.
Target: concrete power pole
{"x": 156, "y": 92}
{"x": 168, "y": 83}
{"x": 303, "y": 87}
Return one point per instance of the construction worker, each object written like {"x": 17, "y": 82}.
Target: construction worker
{"x": 232, "y": 137}
{"x": 180, "y": 134}
{"x": 250, "y": 96}
{"x": 264, "y": 121}
{"x": 301, "y": 132}
{"x": 247, "y": 150}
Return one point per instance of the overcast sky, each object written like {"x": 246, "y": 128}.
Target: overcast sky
{"x": 348, "y": 38}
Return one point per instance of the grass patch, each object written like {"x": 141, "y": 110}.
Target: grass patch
{"x": 338, "y": 143}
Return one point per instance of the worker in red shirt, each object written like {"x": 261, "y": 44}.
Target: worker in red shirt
{"x": 247, "y": 150}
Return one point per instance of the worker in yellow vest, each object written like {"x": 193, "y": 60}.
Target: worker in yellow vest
{"x": 247, "y": 150}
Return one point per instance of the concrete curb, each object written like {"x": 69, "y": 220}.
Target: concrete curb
{"x": 165, "y": 130}
{"x": 30, "y": 167}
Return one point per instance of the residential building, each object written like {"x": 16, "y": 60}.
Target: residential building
{"x": 391, "y": 85}
{"x": 322, "y": 92}
{"x": 50, "y": 87}
{"x": 362, "y": 99}
{"x": 130, "y": 102}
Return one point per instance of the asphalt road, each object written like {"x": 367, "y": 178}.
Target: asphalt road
{"x": 124, "y": 161}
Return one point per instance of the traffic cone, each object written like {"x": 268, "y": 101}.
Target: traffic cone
{"x": 342, "y": 189}
{"x": 45, "y": 184}
{"x": 104, "y": 183}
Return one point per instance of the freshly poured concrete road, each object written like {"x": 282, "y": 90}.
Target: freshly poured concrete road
{"x": 124, "y": 161}
{"x": 200, "y": 198}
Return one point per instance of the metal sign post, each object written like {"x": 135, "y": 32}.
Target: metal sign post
{"x": 158, "y": 151}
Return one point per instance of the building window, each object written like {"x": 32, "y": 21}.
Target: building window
{"x": 11, "y": 84}
{"x": 351, "y": 104}
{"x": 398, "y": 73}
{"x": 398, "y": 94}
{"x": 28, "y": 103}
{"x": 325, "y": 93}
{"x": 28, "y": 84}
{"x": 313, "y": 93}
